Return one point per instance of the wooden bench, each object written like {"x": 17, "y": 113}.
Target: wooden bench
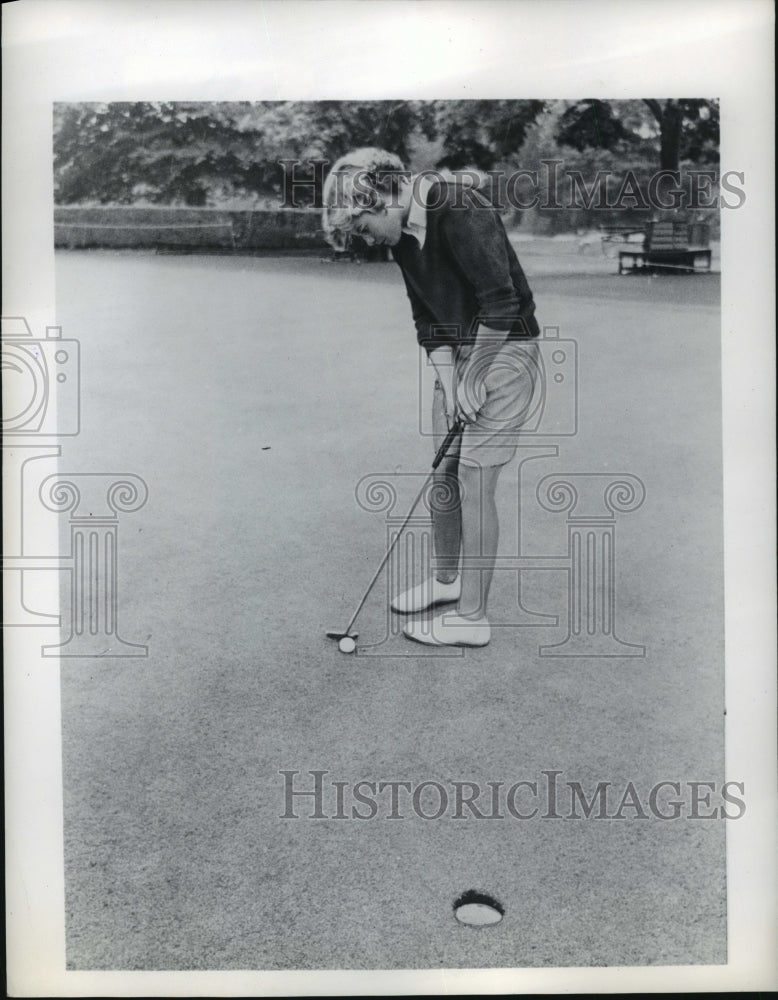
{"x": 672, "y": 245}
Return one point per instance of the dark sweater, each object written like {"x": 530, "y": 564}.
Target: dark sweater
{"x": 467, "y": 273}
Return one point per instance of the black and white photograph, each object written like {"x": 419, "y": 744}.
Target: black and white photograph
{"x": 388, "y": 492}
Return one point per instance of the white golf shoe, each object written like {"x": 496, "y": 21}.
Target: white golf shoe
{"x": 450, "y": 629}
{"x": 426, "y": 595}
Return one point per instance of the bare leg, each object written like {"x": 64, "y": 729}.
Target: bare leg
{"x": 446, "y": 520}
{"x": 480, "y": 535}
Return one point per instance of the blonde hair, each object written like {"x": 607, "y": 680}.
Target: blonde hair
{"x": 360, "y": 181}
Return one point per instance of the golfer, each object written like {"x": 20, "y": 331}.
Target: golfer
{"x": 474, "y": 316}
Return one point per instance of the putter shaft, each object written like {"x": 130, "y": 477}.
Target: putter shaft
{"x": 439, "y": 456}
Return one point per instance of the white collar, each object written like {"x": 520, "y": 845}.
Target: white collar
{"x": 416, "y": 223}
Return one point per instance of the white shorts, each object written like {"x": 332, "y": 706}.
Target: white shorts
{"x": 508, "y": 382}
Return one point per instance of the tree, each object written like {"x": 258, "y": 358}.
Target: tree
{"x": 198, "y": 153}
{"x": 479, "y": 134}
{"x": 593, "y": 124}
{"x": 325, "y": 130}
{"x": 673, "y": 129}
{"x": 688, "y": 128}
{"x": 158, "y": 151}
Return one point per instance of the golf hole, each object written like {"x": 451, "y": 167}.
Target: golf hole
{"x": 478, "y": 909}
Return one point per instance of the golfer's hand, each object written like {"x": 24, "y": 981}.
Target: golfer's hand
{"x": 470, "y": 397}
{"x": 450, "y": 404}
{"x": 443, "y": 362}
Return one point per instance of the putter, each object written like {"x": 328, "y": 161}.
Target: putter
{"x": 347, "y": 640}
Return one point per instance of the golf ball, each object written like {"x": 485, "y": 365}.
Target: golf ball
{"x": 347, "y": 644}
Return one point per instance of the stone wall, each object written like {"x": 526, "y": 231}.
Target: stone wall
{"x": 129, "y": 226}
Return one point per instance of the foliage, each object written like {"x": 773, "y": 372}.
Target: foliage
{"x": 542, "y": 147}
{"x": 673, "y": 129}
{"x": 204, "y": 153}
{"x": 592, "y": 124}
{"x": 207, "y": 153}
{"x": 228, "y": 153}
{"x": 153, "y": 151}
{"x": 479, "y": 134}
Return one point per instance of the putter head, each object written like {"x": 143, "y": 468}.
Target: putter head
{"x": 347, "y": 641}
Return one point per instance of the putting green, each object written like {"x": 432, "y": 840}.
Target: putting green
{"x": 252, "y": 395}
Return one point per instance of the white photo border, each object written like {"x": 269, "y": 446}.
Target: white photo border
{"x": 81, "y": 50}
